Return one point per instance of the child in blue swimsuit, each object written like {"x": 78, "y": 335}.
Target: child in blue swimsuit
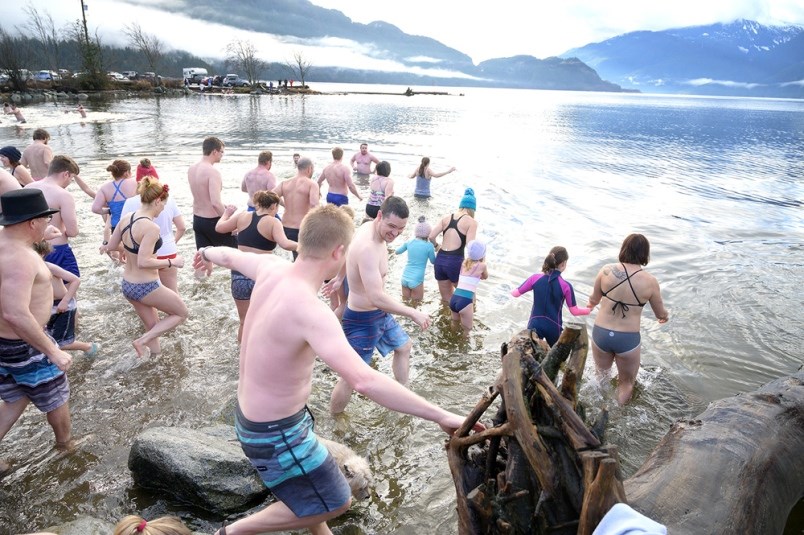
{"x": 420, "y": 250}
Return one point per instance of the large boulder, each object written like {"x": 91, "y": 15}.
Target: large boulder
{"x": 83, "y": 525}
{"x": 203, "y": 467}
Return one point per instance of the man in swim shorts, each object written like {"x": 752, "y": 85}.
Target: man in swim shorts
{"x": 367, "y": 320}
{"x": 339, "y": 179}
{"x": 205, "y": 185}
{"x": 61, "y": 172}
{"x": 32, "y": 367}
{"x": 286, "y": 326}
{"x": 260, "y": 178}
{"x": 299, "y": 194}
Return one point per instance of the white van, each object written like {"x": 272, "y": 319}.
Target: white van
{"x": 194, "y": 74}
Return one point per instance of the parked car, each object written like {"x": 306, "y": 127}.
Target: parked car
{"x": 233, "y": 80}
{"x": 116, "y": 76}
{"x": 131, "y": 75}
{"x": 47, "y": 76}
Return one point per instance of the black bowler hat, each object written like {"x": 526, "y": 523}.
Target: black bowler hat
{"x": 21, "y": 205}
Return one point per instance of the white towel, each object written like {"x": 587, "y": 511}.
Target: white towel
{"x": 622, "y": 520}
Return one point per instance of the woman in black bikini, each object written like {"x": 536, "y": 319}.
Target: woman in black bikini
{"x": 257, "y": 232}
{"x": 140, "y": 237}
{"x": 615, "y": 336}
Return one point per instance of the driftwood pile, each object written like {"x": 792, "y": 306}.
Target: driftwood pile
{"x": 539, "y": 469}
{"x": 736, "y": 468}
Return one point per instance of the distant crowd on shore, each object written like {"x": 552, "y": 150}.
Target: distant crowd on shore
{"x": 284, "y": 322}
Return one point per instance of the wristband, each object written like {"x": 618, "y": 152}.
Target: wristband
{"x": 204, "y": 254}
{"x": 170, "y": 265}
{"x": 105, "y": 242}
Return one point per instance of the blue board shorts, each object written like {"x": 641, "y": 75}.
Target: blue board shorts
{"x": 337, "y": 199}
{"x": 27, "y": 373}
{"x": 615, "y": 341}
{"x": 62, "y": 256}
{"x": 291, "y": 461}
{"x": 372, "y": 329}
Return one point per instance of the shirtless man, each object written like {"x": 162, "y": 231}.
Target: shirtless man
{"x": 260, "y": 178}
{"x": 286, "y": 326}
{"x": 339, "y": 178}
{"x": 361, "y": 161}
{"x": 54, "y": 186}
{"x": 367, "y": 320}
{"x": 299, "y": 195}
{"x": 7, "y": 182}
{"x": 26, "y": 297}
{"x": 11, "y": 109}
{"x": 37, "y": 155}
{"x": 205, "y": 185}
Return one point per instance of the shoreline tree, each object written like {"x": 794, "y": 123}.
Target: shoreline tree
{"x": 149, "y": 45}
{"x": 242, "y": 55}
{"x": 91, "y": 54}
{"x": 13, "y": 58}
{"x": 42, "y": 26}
{"x": 299, "y": 65}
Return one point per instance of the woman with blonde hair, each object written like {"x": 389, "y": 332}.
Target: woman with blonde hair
{"x": 257, "y": 232}
{"x": 136, "y": 525}
{"x": 140, "y": 237}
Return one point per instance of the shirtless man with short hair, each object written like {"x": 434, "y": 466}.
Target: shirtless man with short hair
{"x": 205, "y": 185}
{"x": 61, "y": 172}
{"x": 367, "y": 320}
{"x": 260, "y": 178}
{"x": 299, "y": 195}
{"x": 361, "y": 161}
{"x": 286, "y": 326}
{"x": 339, "y": 178}
{"x": 26, "y": 298}
{"x": 38, "y": 155}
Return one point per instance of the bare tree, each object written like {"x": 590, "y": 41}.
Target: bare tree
{"x": 14, "y": 55}
{"x": 299, "y": 65}
{"x": 41, "y": 25}
{"x": 148, "y": 44}
{"x": 242, "y": 55}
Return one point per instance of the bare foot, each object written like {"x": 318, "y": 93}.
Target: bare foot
{"x": 143, "y": 351}
{"x": 69, "y": 445}
{"x": 154, "y": 346}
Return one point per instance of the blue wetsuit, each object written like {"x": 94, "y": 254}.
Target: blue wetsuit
{"x": 550, "y": 290}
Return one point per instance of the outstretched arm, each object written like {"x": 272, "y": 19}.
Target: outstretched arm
{"x": 439, "y": 175}
{"x": 230, "y": 258}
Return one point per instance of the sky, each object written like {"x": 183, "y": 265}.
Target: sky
{"x": 482, "y": 30}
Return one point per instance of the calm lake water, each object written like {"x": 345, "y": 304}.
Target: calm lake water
{"x": 714, "y": 183}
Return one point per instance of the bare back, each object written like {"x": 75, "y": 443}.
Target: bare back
{"x": 276, "y": 362}
{"x": 59, "y": 198}
{"x": 627, "y": 289}
{"x": 205, "y": 185}
{"x": 451, "y": 240}
{"x": 7, "y": 182}
{"x": 300, "y": 194}
{"x": 338, "y": 176}
{"x": 37, "y": 156}
{"x": 258, "y": 179}
{"x": 19, "y": 259}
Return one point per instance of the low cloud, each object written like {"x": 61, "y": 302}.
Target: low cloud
{"x": 698, "y": 82}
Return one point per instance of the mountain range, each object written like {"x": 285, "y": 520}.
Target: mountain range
{"x": 740, "y": 58}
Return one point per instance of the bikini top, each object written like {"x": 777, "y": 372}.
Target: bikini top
{"x": 453, "y": 224}
{"x": 376, "y": 197}
{"x": 624, "y": 306}
{"x": 251, "y": 237}
{"x": 135, "y": 247}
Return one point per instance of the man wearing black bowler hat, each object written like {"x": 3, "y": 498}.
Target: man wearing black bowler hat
{"x": 32, "y": 367}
